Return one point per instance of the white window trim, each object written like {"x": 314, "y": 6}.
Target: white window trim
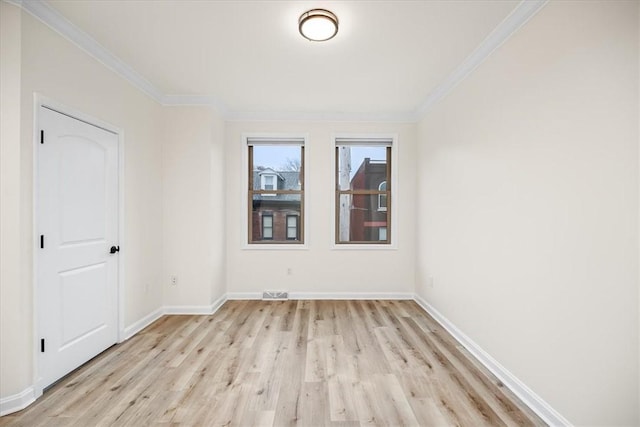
{"x": 273, "y": 139}
{"x": 366, "y": 139}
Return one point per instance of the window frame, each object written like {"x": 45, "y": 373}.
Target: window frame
{"x": 390, "y": 141}
{"x": 249, "y": 141}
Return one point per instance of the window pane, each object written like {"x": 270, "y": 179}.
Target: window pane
{"x": 292, "y": 227}
{"x": 362, "y": 221}
{"x": 279, "y": 206}
{"x": 277, "y": 158}
{"x": 268, "y": 182}
{"x": 382, "y": 202}
{"x": 275, "y": 170}
{"x": 382, "y": 233}
{"x": 361, "y": 167}
{"x": 267, "y": 227}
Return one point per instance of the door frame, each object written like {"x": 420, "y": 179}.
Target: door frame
{"x": 42, "y": 101}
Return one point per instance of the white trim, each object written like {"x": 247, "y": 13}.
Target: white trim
{"x": 84, "y": 41}
{"x": 175, "y": 309}
{"x": 264, "y": 138}
{"x": 196, "y": 309}
{"x": 194, "y": 101}
{"x": 318, "y": 116}
{"x": 525, "y": 10}
{"x": 327, "y": 295}
{"x": 359, "y": 139}
{"x": 121, "y": 236}
{"x": 17, "y": 402}
{"x": 139, "y": 325}
{"x": 524, "y": 393}
{"x": 351, "y": 295}
{"x": 188, "y": 310}
{"x": 232, "y": 296}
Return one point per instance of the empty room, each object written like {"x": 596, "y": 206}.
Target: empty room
{"x": 349, "y": 213}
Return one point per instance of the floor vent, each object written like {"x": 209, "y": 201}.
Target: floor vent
{"x": 280, "y": 295}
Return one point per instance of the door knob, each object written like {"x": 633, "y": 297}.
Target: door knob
{"x": 114, "y": 249}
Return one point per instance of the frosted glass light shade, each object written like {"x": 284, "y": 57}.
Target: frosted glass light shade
{"x": 318, "y": 25}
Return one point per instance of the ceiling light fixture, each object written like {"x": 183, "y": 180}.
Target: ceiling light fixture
{"x": 318, "y": 25}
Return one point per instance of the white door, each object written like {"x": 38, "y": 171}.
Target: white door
{"x": 77, "y": 224}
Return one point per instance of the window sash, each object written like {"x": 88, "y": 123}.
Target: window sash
{"x": 251, "y": 142}
{"x": 342, "y": 142}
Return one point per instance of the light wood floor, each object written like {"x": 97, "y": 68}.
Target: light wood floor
{"x": 307, "y": 363}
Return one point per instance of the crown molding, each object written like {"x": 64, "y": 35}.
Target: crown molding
{"x": 319, "y": 116}
{"x": 52, "y": 18}
{"x": 194, "y": 101}
{"x": 525, "y": 10}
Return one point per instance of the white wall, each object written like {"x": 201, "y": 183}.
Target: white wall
{"x": 55, "y": 68}
{"x": 528, "y": 193}
{"x": 320, "y": 268}
{"x": 13, "y": 296}
{"x": 193, "y": 208}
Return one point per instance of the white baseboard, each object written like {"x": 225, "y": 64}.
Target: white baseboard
{"x": 524, "y": 393}
{"x": 17, "y": 402}
{"x": 195, "y": 309}
{"x": 327, "y": 295}
{"x": 243, "y": 295}
{"x": 136, "y": 327}
{"x": 187, "y": 309}
{"x": 351, "y": 295}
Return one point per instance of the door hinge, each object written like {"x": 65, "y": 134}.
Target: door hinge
{"x": 42, "y": 137}
{"x": 42, "y": 345}
{"x": 42, "y": 241}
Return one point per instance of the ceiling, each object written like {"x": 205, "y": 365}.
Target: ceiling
{"x": 247, "y": 56}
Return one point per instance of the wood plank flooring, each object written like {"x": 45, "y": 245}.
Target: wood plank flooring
{"x": 276, "y": 363}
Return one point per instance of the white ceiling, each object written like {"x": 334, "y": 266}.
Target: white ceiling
{"x": 248, "y": 56}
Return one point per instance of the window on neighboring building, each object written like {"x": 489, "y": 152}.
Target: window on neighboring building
{"x": 267, "y": 226}
{"x": 382, "y": 233}
{"x": 363, "y": 190}
{"x": 382, "y": 198}
{"x": 268, "y": 182}
{"x": 275, "y": 190}
{"x": 292, "y": 227}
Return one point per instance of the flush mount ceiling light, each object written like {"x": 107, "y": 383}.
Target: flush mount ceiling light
{"x": 318, "y": 25}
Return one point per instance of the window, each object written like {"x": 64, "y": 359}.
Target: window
{"x": 292, "y": 227}
{"x": 268, "y": 182}
{"x": 363, "y": 191}
{"x": 382, "y": 198}
{"x": 382, "y": 233}
{"x": 267, "y": 226}
{"x": 275, "y": 190}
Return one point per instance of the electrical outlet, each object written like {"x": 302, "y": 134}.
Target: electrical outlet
{"x": 174, "y": 280}
{"x": 289, "y": 271}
